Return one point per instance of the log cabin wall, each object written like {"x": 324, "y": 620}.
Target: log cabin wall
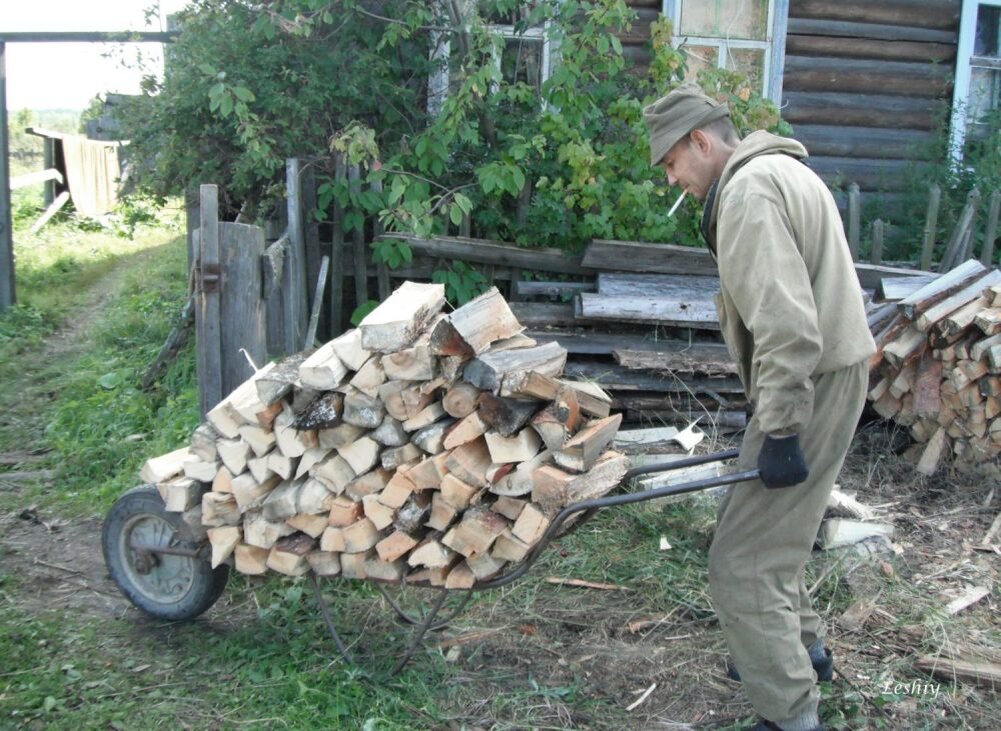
{"x": 864, "y": 83}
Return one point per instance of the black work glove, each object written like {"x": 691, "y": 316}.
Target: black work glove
{"x": 781, "y": 462}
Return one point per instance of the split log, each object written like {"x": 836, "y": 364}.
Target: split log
{"x": 472, "y": 328}
{"x": 361, "y": 454}
{"x": 251, "y": 560}
{"x": 399, "y": 320}
{"x": 427, "y": 416}
{"x": 181, "y": 494}
{"x": 368, "y": 483}
{"x": 553, "y": 489}
{"x": 488, "y": 370}
{"x": 349, "y": 349}
{"x": 952, "y": 303}
{"x": 593, "y": 400}
{"x": 363, "y": 410}
{"x": 470, "y": 462}
{"x": 249, "y": 493}
{"x": 414, "y": 514}
{"x": 506, "y": 416}
{"x": 465, "y": 430}
{"x": 369, "y": 377}
{"x": 263, "y": 533}
{"x": 476, "y": 532}
{"x": 460, "y": 399}
{"x": 311, "y": 525}
{"x": 390, "y": 432}
{"x": 556, "y": 423}
{"x": 164, "y": 467}
{"x": 234, "y": 454}
{"x": 521, "y": 447}
{"x": 432, "y": 438}
{"x": 398, "y": 456}
{"x": 323, "y": 370}
{"x": 940, "y": 288}
{"x": 274, "y": 385}
{"x": 323, "y": 412}
{"x": 395, "y": 546}
{"x": 410, "y": 364}
{"x": 381, "y": 515}
{"x": 288, "y": 555}
{"x": 203, "y": 442}
{"x": 223, "y": 541}
{"x": 583, "y": 449}
{"x": 324, "y": 563}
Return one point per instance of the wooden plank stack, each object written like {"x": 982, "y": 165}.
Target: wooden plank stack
{"x": 419, "y": 447}
{"x": 937, "y": 369}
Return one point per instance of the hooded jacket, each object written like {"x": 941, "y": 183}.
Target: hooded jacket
{"x": 790, "y": 306}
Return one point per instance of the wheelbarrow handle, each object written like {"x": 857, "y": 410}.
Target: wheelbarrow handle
{"x": 628, "y": 498}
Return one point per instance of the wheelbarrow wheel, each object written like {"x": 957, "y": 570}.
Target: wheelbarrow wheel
{"x": 166, "y": 586}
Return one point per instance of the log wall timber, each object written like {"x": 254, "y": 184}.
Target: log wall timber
{"x": 862, "y": 66}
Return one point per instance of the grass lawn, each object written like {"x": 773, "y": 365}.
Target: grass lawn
{"x": 94, "y": 309}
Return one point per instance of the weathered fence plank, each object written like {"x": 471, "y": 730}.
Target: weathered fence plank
{"x": 241, "y": 305}
{"x": 987, "y": 253}
{"x": 337, "y": 256}
{"x": 208, "y": 314}
{"x": 498, "y": 253}
{"x": 294, "y": 274}
{"x": 931, "y": 226}
{"x": 358, "y": 247}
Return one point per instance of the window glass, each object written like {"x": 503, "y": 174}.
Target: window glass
{"x": 985, "y": 85}
{"x": 750, "y": 62}
{"x": 738, "y": 19}
{"x": 698, "y": 58}
{"x": 521, "y": 61}
{"x": 988, "y": 31}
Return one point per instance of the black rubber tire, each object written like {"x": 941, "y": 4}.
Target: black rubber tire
{"x": 174, "y": 588}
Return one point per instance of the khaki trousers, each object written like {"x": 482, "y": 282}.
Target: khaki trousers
{"x": 762, "y": 542}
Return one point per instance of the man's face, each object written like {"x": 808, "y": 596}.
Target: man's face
{"x": 688, "y": 164}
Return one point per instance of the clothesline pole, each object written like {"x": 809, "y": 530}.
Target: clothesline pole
{"x": 6, "y": 235}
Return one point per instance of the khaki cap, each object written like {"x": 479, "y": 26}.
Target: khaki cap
{"x": 673, "y": 116}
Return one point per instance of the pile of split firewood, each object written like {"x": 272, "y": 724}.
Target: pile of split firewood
{"x": 419, "y": 447}
{"x": 937, "y": 369}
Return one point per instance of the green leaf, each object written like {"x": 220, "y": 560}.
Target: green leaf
{"x": 455, "y": 214}
{"x": 519, "y": 179}
{"x": 226, "y": 105}
{"x": 361, "y": 310}
{"x": 110, "y": 380}
{"x": 243, "y": 94}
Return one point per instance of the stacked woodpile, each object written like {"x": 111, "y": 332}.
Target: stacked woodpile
{"x": 418, "y": 447}
{"x": 937, "y": 369}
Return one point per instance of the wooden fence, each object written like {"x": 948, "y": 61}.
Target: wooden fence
{"x": 275, "y": 298}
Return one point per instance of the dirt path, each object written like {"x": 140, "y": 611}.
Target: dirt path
{"x": 57, "y": 562}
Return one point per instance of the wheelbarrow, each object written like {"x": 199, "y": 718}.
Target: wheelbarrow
{"x": 153, "y": 559}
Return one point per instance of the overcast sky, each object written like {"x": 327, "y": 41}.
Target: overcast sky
{"x": 69, "y": 75}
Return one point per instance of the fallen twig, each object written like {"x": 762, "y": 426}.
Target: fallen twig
{"x": 585, "y": 584}
{"x": 638, "y": 701}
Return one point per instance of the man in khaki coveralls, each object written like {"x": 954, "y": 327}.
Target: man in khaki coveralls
{"x": 791, "y": 312}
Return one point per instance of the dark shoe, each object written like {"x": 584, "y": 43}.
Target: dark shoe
{"x": 824, "y": 667}
{"x": 764, "y": 725}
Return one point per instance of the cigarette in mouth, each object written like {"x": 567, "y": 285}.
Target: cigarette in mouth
{"x": 677, "y": 202}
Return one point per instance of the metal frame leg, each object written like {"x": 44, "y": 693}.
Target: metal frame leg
{"x": 402, "y": 614}
{"x": 420, "y": 631}
{"x": 329, "y": 622}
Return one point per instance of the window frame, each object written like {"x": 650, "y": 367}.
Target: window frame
{"x": 438, "y": 83}
{"x": 773, "y": 45}
{"x": 965, "y": 60}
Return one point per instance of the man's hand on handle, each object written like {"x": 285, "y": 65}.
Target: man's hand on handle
{"x": 781, "y": 461}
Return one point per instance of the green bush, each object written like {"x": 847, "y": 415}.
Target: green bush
{"x": 554, "y": 165}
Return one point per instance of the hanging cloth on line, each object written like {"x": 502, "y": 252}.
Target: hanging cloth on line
{"x": 92, "y": 174}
